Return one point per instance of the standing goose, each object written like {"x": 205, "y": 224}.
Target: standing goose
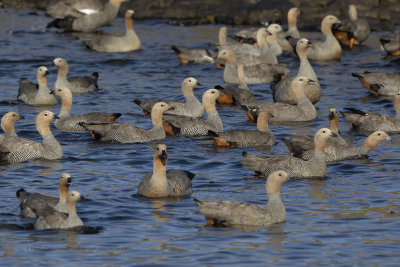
{"x": 243, "y": 138}
{"x": 380, "y": 83}
{"x": 174, "y": 124}
{"x": 89, "y": 22}
{"x": 295, "y": 167}
{"x": 77, "y": 85}
{"x": 109, "y": 43}
{"x": 372, "y": 121}
{"x": 328, "y": 48}
{"x": 259, "y": 73}
{"x": 8, "y": 121}
{"x": 162, "y": 183}
{"x": 68, "y": 122}
{"x": 335, "y": 152}
{"x": 240, "y": 213}
{"x": 28, "y": 202}
{"x": 282, "y": 112}
{"x": 36, "y": 94}
{"x": 281, "y": 91}
{"x": 123, "y": 132}
{"x": 356, "y": 31}
{"x": 16, "y": 149}
{"x": 192, "y": 107}
{"x": 49, "y": 218}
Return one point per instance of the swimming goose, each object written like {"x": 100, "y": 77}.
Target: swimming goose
{"x": 49, "y": 218}
{"x": 8, "y": 121}
{"x": 243, "y": 138}
{"x": 371, "y": 121}
{"x": 77, "y": 85}
{"x": 282, "y": 112}
{"x": 355, "y": 31}
{"x": 292, "y": 31}
{"x": 195, "y": 55}
{"x": 240, "y": 95}
{"x": 295, "y": 167}
{"x": 162, "y": 183}
{"x": 240, "y": 213}
{"x": 192, "y": 107}
{"x": 89, "y": 22}
{"x": 35, "y": 201}
{"x": 123, "y": 132}
{"x": 36, "y": 94}
{"x": 109, "y": 43}
{"x": 335, "y": 152}
{"x": 16, "y": 149}
{"x": 73, "y": 8}
{"x": 260, "y": 73}
{"x": 281, "y": 91}
{"x": 272, "y": 39}
{"x": 328, "y": 48}
{"x": 392, "y": 45}
{"x": 174, "y": 124}
{"x": 380, "y": 83}
{"x": 68, "y": 122}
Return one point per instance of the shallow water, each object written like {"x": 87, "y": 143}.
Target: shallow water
{"x": 350, "y": 217}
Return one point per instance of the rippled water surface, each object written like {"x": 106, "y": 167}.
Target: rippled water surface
{"x": 350, "y": 217}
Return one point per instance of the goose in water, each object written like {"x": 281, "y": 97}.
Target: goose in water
{"x": 328, "y": 48}
{"x": 162, "y": 183}
{"x": 244, "y": 138}
{"x": 372, "y": 121}
{"x": 174, "y": 124}
{"x": 380, "y": 83}
{"x": 392, "y": 45}
{"x": 123, "y": 132}
{"x": 354, "y": 32}
{"x": 292, "y": 31}
{"x": 73, "y": 8}
{"x": 109, "y": 43}
{"x": 282, "y": 112}
{"x": 7, "y": 123}
{"x": 77, "y": 85}
{"x": 272, "y": 39}
{"x": 192, "y": 107}
{"x": 239, "y": 95}
{"x": 295, "y": 167}
{"x": 195, "y": 55}
{"x": 35, "y": 201}
{"x": 36, "y": 94}
{"x": 240, "y": 213}
{"x": 281, "y": 91}
{"x": 50, "y": 218}
{"x": 259, "y": 73}
{"x": 16, "y": 149}
{"x": 68, "y": 122}
{"x": 89, "y": 22}
{"x": 333, "y": 151}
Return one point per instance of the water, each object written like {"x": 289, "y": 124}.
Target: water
{"x": 350, "y": 217}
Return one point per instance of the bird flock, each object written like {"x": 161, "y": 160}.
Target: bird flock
{"x": 253, "y": 59}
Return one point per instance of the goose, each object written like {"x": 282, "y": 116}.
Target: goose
{"x": 392, "y": 45}
{"x": 295, "y": 167}
{"x": 73, "y": 8}
{"x": 292, "y": 31}
{"x": 123, "y": 132}
{"x": 8, "y": 121}
{"x": 380, "y": 83}
{"x": 36, "y": 94}
{"x": 31, "y": 201}
{"x": 240, "y": 213}
{"x": 162, "y": 183}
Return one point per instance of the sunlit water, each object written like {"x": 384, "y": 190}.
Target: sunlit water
{"x": 351, "y": 217}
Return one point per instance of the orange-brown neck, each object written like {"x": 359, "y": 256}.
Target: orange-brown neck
{"x": 42, "y": 80}
{"x": 129, "y": 23}
{"x": 333, "y": 124}
{"x": 262, "y": 121}
{"x": 63, "y": 188}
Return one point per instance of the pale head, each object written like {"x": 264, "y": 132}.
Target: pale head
{"x": 294, "y": 12}
{"x": 65, "y": 180}
{"x": 43, "y": 120}
{"x": 129, "y": 13}
{"x": 8, "y": 121}
{"x": 42, "y": 71}
{"x": 275, "y": 181}
{"x": 327, "y": 22}
{"x": 161, "y": 107}
{"x": 320, "y": 138}
{"x": 63, "y": 93}
{"x": 301, "y": 47}
{"x": 333, "y": 117}
{"x": 298, "y": 84}
{"x": 190, "y": 83}
{"x": 209, "y": 98}
{"x": 60, "y": 62}
{"x": 74, "y": 196}
{"x": 375, "y": 139}
{"x": 161, "y": 153}
{"x": 227, "y": 55}
{"x": 274, "y": 28}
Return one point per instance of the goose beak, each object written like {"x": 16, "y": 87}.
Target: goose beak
{"x": 310, "y": 81}
{"x": 333, "y": 134}
{"x": 309, "y": 44}
{"x": 55, "y": 117}
{"x": 331, "y": 115}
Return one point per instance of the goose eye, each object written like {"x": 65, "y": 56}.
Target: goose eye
{"x": 301, "y": 79}
{"x": 190, "y": 81}
{"x": 280, "y": 174}
{"x": 324, "y": 131}
{"x": 379, "y": 134}
{"x": 45, "y": 114}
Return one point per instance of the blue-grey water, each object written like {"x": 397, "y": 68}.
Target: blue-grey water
{"x": 350, "y": 217}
